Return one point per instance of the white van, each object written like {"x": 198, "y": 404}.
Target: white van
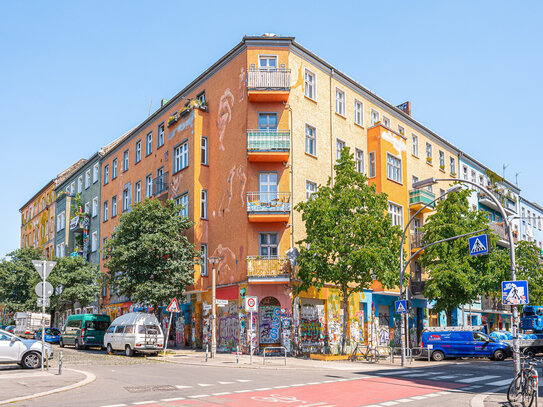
{"x": 134, "y": 332}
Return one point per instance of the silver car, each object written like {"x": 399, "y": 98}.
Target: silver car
{"x": 25, "y": 352}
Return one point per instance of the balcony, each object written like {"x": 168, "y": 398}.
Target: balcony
{"x": 493, "y": 304}
{"x": 508, "y": 204}
{"x": 268, "y": 85}
{"x": 420, "y": 197}
{"x": 417, "y": 287}
{"x": 79, "y": 223}
{"x": 268, "y": 145}
{"x": 268, "y": 206}
{"x": 160, "y": 185}
{"x": 268, "y": 269}
{"x": 416, "y": 241}
{"x": 503, "y": 237}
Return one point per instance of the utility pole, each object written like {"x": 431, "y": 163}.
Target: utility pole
{"x": 213, "y": 261}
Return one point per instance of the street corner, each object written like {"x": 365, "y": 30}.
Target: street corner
{"x": 19, "y": 384}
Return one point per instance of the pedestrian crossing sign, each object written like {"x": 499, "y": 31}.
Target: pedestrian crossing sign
{"x": 174, "y": 306}
{"x": 515, "y": 292}
{"x": 401, "y": 306}
{"x": 478, "y": 245}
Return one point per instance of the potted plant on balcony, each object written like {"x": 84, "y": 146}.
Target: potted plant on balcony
{"x": 172, "y": 119}
{"x": 442, "y": 167}
{"x": 429, "y": 160}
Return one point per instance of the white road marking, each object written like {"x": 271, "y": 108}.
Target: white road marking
{"x": 389, "y": 403}
{"x": 446, "y": 377}
{"x": 243, "y": 380}
{"x": 328, "y": 381}
{"x": 476, "y": 379}
{"x": 418, "y": 397}
{"x": 173, "y": 399}
{"x": 242, "y": 391}
{"x": 199, "y": 396}
{"x": 432, "y": 395}
{"x": 281, "y": 387}
{"x": 263, "y": 388}
{"x": 204, "y": 384}
{"x": 403, "y": 400}
{"x": 312, "y": 383}
{"x": 224, "y": 393}
{"x": 179, "y": 386}
{"x": 397, "y": 372}
{"x": 137, "y": 403}
{"x": 115, "y": 405}
{"x": 226, "y": 382}
{"x": 297, "y": 385}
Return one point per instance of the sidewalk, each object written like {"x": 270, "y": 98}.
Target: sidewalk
{"x": 21, "y": 384}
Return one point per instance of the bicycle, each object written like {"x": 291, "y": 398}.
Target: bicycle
{"x": 371, "y": 355}
{"x": 524, "y": 387}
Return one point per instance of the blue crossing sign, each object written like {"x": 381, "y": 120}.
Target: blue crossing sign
{"x": 515, "y": 292}
{"x": 478, "y": 245}
{"x": 401, "y": 306}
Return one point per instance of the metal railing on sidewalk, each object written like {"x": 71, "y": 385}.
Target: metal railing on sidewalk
{"x": 274, "y": 347}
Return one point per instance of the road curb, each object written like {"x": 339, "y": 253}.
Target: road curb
{"x": 89, "y": 378}
{"x": 479, "y": 399}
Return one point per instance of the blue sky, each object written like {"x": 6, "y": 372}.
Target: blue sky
{"x": 76, "y": 75}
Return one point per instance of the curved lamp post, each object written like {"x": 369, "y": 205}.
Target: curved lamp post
{"x": 213, "y": 261}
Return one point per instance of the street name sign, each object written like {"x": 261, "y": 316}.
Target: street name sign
{"x": 48, "y": 289}
{"x": 251, "y": 304}
{"x": 515, "y": 292}
{"x": 174, "y": 306}
{"x": 401, "y": 306}
{"x": 221, "y": 303}
{"x": 478, "y": 245}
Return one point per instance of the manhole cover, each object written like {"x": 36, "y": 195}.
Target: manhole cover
{"x": 164, "y": 388}
{"x": 138, "y": 389}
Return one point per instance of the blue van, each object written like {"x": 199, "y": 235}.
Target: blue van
{"x": 463, "y": 343}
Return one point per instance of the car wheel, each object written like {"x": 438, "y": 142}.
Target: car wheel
{"x": 61, "y": 344}
{"x": 128, "y": 351}
{"x": 499, "y": 355}
{"x": 77, "y": 345}
{"x": 438, "y": 356}
{"x": 529, "y": 352}
{"x": 31, "y": 360}
{"x": 109, "y": 349}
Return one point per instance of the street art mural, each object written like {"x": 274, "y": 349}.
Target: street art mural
{"x": 226, "y": 103}
{"x": 286, "y": 330}
{"x": 241, "y": 84}
{"x": 236, "y": 181}
{"x": 227, "y": 262}
{"x": 312, "y": 327}
{"x": 270, "y": 324}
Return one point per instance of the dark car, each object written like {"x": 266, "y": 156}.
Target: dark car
{"x": 52, "y": 335}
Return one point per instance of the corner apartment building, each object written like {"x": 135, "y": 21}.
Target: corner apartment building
{"x": 531, "y": 222}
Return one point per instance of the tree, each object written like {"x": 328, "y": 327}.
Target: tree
{"x": 454, "y": 276}
{"x": 350, "y": 240}
{"x": 149, "y": 256}
{"x": 19, "y": 277}
{"x": 75, "y": 281}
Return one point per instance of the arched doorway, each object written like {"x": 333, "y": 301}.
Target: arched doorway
{"x": 270, "y": 322}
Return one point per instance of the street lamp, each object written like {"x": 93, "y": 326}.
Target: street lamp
{"x": 405, "y": 319}
{"x": 213, "y": 261}
{"x": 432, "y": 181}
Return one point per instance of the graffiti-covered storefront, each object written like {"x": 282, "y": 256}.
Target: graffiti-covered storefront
{"x": 116, "y": 310}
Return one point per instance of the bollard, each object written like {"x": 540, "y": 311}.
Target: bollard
{"x": 60, "y": 364}
{"x": 237, "y": 354}
{"x": 207, "y": 349}
{"x": 47, "y": 360}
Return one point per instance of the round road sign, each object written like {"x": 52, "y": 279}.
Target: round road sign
{"x": 251, "y": 304}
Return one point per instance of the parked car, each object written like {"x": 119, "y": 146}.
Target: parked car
{"x": 10, "y": 329}
{"x": 462, "y": 343}
{"x": 52, "y": 335}
{"x": 135, "y": 332}
{"x": 25, "y": 352}
{"x": 83, "y": 330}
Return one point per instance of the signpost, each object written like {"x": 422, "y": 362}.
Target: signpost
{"x": 401, "y": 306}
{"x": 43, "y": 290}
{"x": 173, "y": 307}
{"x": 515, "y": 292}
{"x": 251, "y": 305}
{"x": 478, "y": 245}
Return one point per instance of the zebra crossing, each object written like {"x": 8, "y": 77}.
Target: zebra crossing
{"x": 488, "y": 380}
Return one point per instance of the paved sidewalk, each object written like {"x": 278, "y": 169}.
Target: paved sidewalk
{"x": 21, "y": 384}
{"x": 497, "y": 400}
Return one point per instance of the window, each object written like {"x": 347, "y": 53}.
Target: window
{"x": 481, "y": 180}
{"x": 138, "y": 151}
{"x": 465, "y": 172}
{"x": 183, "y": 202}
{"x": 137, "y": 192}
{"x": 95, "y": 207}
{"x": 114, "y": 169}
{"x": 203, "y": 204}
{"x": 160, "y": 135}
{"x": 201, "y": 97}
{"x": 414, "y": 179}
{"x": 358, "y": 112}
{"x": 95, "y": 173}
{"x": 87, "y": 208}
{"x": 126, "y": 156}
{"x": 61, "y": 221}
{"x": 87, "y": 179}
{"x": 473, "y": 177}
{"x": 310, "y": 140}
{"x": 114, "y": 206}
{"x": 94, "y": 241}
{"x": 267, "y": 62}
{"x": 148, "y": 186}
{"x": 149, "y": 143}
{"x": 523, "y": 215}
{"x": 415, "y": 145}
{"x": 442, "y": 160}
{"x": 340, "y": 102}
{"x": 396, "y": 214}
{"x": 529, "y": 218}
{"x": 428, "y": 152}
{"x": 268, "y": 244}
{"x": 452, "y": 164}
{"x": 62, "y": 250}
{"x": 309, "y": 84}
{"x": 401, "y": 130}
{"x": 106, "y": 210}
{"x": 126, "y": 199}
{"x": 386, "y": 122}
{"x": 104, "y": 255}
{"x": 203, "y": 152}
{"x": 267, "y": 186}
{"x": 372, "y": 164}
{"x": 374, "y": 117}
{"x": 340, "y": 145}
{"x": 80, "y": 184}
{"x": 106, "y": 174}
{"x": 267, "y": 121}
{"x": 359, "y": 158}
{"x": 203, "y": 269}
{"x": 310, "y": 189}
{"x": 181, "y": 157}
{"x": 394, "y": 168}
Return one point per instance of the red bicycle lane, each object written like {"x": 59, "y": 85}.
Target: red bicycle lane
{"x": 349, "y": 393}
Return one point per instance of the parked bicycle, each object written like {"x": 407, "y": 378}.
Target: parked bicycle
{"x": 524, "y": 387}
{"x": 371, "y": 355}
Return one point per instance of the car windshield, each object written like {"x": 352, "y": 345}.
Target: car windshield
{"x": 52, "y": 331}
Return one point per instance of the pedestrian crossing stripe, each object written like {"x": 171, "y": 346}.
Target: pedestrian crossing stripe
{"x": 478, "y": 247}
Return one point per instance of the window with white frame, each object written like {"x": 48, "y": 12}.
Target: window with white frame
{"x": 183, "y": 202}
{"x": 203, "y": 151}
{"x": 358, "y": 112}
{"x": 105, "y": 216}
{"x": 181, "y": 157}
{"x": 401, "y": 130}
{"x": 106, "y": 174}
{"x": 529, "y": 218}
{"x": 442, "y": 160}
{"x": 371, "y": 159}
{"x": 203, "y": 204}
{"x": 138, "y": 151}
{"x": 80, "y": 184}
{"x": 126, "y": 158}
{"x": 95, "y": 173}
{"x": 386, "y": 122}
{"x": 94, "y": 241}
{"x": 160, "y": 135}
{"x": 87, "y": 208}
{"x": 481, "y": 180}
{"x": 114, "y": 169}
{"x": 87, "y": 179}
{"x": 359, "y": 160}
{"x": 340, "y": 102}
{"x": 137, "y": 192}
{"x": 104, "y": 255}
{"x": 473, "y": 177}
{"x": 95, "y": 206}
{"x": 310, "y": 140}
{"x": 148, "y": 186}
{"x": 62, "y": 250}
{"x": 203, "y": 250}
{"x": 428, "y": 152}
{"x": 310, "y": 189}
{"x": 394, "y": 168}
{"x": 126, "y": 199}
{"x": 114, "y": 206}
{"x": 414, "y": 179}
{"x": 414, "y": 144}
{"x": 267, "y": 62}
{"x": 269, "y": 244}
{"x": 452, "y": 164}
{"x": 396, "y": 214}
{"x": 61, "y": 221}
{"x": 465, "y": 172}
{"x": 309, "y": 84}
{"x": 374, "y": 117}
{"x": 340, "y": 145}
{"x": 149, "y": 143}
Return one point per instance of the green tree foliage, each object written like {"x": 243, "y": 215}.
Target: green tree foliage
{"x": 149, "y": 256}
{"x": 456, "y": 277}
{"x": 75, "y": 281}
{"x": 350, "y": 240}
{"x": 19, "y": 277}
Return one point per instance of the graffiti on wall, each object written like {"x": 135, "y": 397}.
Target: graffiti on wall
{"x": 241, "y": 84}
{"x": 286, "y": 330}
{"x": 227, "y": 258}
{"x": 270, "y": 324}
{"x": 226, "y": 103}
{"x": 236, "y": 180}
{"x": 312, "y": 326}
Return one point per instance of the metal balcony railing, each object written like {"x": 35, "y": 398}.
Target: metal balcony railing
{"x": 272, "y": 202}
{"x": 272, "y": 79}
{"x": 160, "y": 184}
{"x": 417, "y": 287}
{"x": 273, "y": 266}
{"x": 421, "y": 196}
{"x": 417, "y": 240}
{"x": 268, "y": 140}
{"x": 491, "y": 303}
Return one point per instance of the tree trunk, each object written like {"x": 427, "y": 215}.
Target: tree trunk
{"x": 448, "y": 313}
{"x": 345, "y": 307}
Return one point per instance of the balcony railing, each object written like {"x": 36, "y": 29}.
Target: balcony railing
{"x": 421, "y": 196}
{"x": 274, "y": 266}
{"x": 499, "y": 229}
{"x": 417, "y": 240}
{"x": 268, "y": 140}
{"x": 508, "y": 204}
{"x": 270, "y": 202}
{"x": 417, "y": 287}
{"x": 272, "y": 79}
{"x": 160, "y": 184}
{"x": 491, "y": 303}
